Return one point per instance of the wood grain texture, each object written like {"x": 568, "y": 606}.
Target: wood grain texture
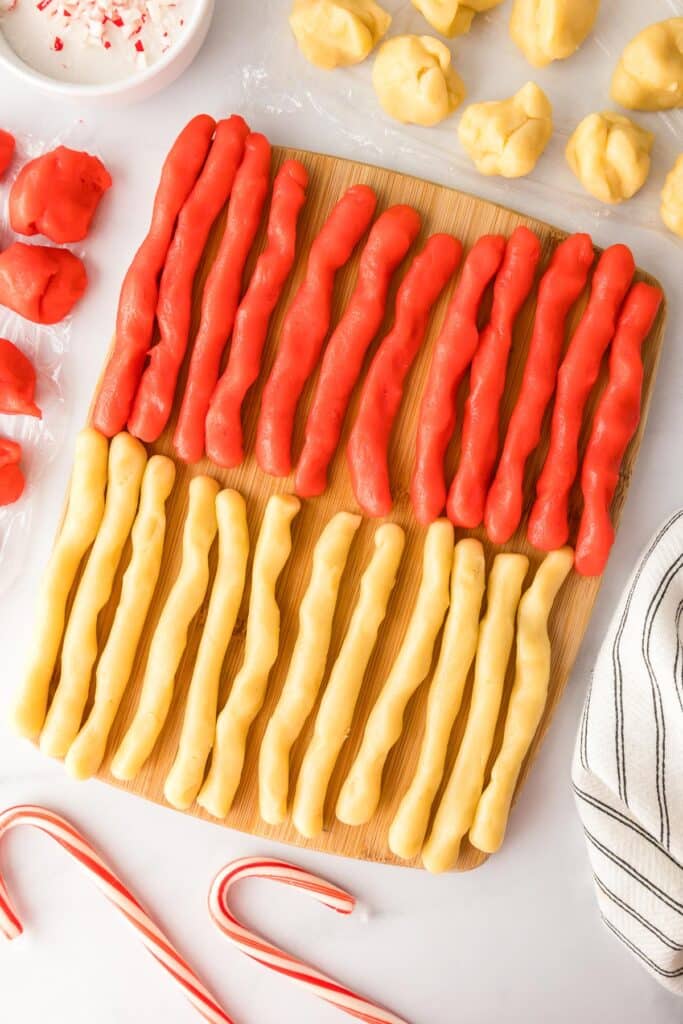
{"x": 468, "y": 218}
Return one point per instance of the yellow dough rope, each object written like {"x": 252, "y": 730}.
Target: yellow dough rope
{"x": 333, "y": 722}
{"x": 114, "y": 668}
{"x": 79, "y": 529}
{"x": 261, "y": 647}
{"x": 170, "y": 635}
{"x": 307, "y": 665}
{"x": 360, "y": 793}
{"x": 527, "y": 700}
{"x": 199, "y": 725}
{"x": 127, "y": 460}
{"x": 496, "y": 634}
{"x": 458, "y": 647}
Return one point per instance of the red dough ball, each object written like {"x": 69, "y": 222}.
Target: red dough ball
{"x": 11, "y": 477}
{"x": 7, "y": 146}
{"x": 40, "y": 283}
{"x": 57, "y": 194}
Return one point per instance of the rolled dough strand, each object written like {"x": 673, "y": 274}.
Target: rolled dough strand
{"x": 170, "y": 635}
{"x": 360, "y": 793}
{"x": 199, "y": 725}
{"x": 496, "y": 634}
{"x": 79, "y": 529}
{"x": 113, "y": 671}
{"x": 262, "y": 642}
{"x": 458, "y": 648}
{"x": 527, "y": 700}
{"x": 335, "y": 716}
{"x": 127, "y": 461}
{"x": 307, "y": 666}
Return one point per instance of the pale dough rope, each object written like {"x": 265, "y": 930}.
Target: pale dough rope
{"x": 261, "y": 647}
{"x": 335, "y": 716}
{"x": 116, "y": 662}
{"x": 496, "y": 634}
{"x": 307, "y": 665}
{"x": 79, "y": 529}
{"x": 458, "y": 648}
{"x": 127, "y": 461}
{"x": 360, "y": 793}
{"x": 199, "y": 725}
{"x": 170, "y": 636}
{"x": 527, "y": 700}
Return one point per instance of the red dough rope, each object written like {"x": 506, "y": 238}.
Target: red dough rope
{"x": 138, "y": 299}
{"x": 116, "y": 892}
{"x": 453, "y": 351}
{"x": 391, "y": 236}
{"x": 479, "y": 447}
{"x": 560, "y": 287}
{"x": 380, "y": 400}
{"x": 264, "y": 952}
{"x": 224, "y": 440}
{"x": 222, "y": 295}
{"x": 549, "y": 519}
{"x": 305, "y": 326}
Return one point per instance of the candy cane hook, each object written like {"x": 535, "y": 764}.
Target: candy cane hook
{"x": 116, "y": 892}
{"x": 276, "y": 959}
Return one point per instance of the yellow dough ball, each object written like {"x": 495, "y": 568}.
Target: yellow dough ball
{"x": 337, "y": 33}
{"x": 649, "y": 75}
{"x": 610, "y": 155}
{"x": 415, "y": 81}
{"x": 547, "y": 30}
{"x": 508, "y": 136}
{"x": 453, "y": 17}
{"x": 672, "y": 199}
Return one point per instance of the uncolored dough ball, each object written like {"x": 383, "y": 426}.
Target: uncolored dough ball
{"x": 508, "y": 136}
{"x": 649, "y": 75}
{"x": 336, "y": 33}
{"x": 547, "y": 30}
{"x": 453, "y": 17}
{"x": 672, "y": 198}
{"x": 610, "y": 155}
{"x": 415, "y": 81}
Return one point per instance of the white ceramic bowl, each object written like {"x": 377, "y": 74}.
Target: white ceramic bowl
{"x": 137, "y": 86}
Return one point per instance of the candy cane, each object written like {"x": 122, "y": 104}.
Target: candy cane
{"x": 276, "y": 959}
{"x": 116, "y": 892}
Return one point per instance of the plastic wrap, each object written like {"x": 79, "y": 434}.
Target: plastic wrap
{"x": 492, "y": 67}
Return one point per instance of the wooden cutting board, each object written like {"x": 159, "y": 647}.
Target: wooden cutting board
{"x": 468, "y": 218}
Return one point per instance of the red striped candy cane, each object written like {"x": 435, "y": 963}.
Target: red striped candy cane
{"x": 276, "y": 959}
{"x": 116, "y": 892}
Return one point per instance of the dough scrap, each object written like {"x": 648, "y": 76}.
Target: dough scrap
{"x": 548, "y": 30}
{"x": 115, "y": 665}
{"x": 82, "y": 521}
{"x": 170, "y": 636}
{"x": 335, "y": 716}
{"x": 415, "y": 81}
{"x": 261, "y": 647}
{"x": 458, "y": 648}
{"x": 361, "y": 791}
{"x": 307, "y": 665}
{"x": 496, "y": 634}
{"x": 127, "y": 461}
{"x": 337, "y": 33}
{"x": 453, "y": 17}
{"x": 649, "y": 75}
{"x": 610, "y": 155}
{"x": 672, "y": 198}
{"x": 527, "y": 699}
{"x": 199, "y": 724}
{"x": 507, "y": 137}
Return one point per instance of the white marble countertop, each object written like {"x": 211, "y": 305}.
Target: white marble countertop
{"x": 518, "y": 940}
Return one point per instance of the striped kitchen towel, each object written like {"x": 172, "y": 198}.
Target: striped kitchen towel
{"x": 628, "y": 763}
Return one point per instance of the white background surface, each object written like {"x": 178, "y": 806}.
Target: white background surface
{"x": 519, "y": 940}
